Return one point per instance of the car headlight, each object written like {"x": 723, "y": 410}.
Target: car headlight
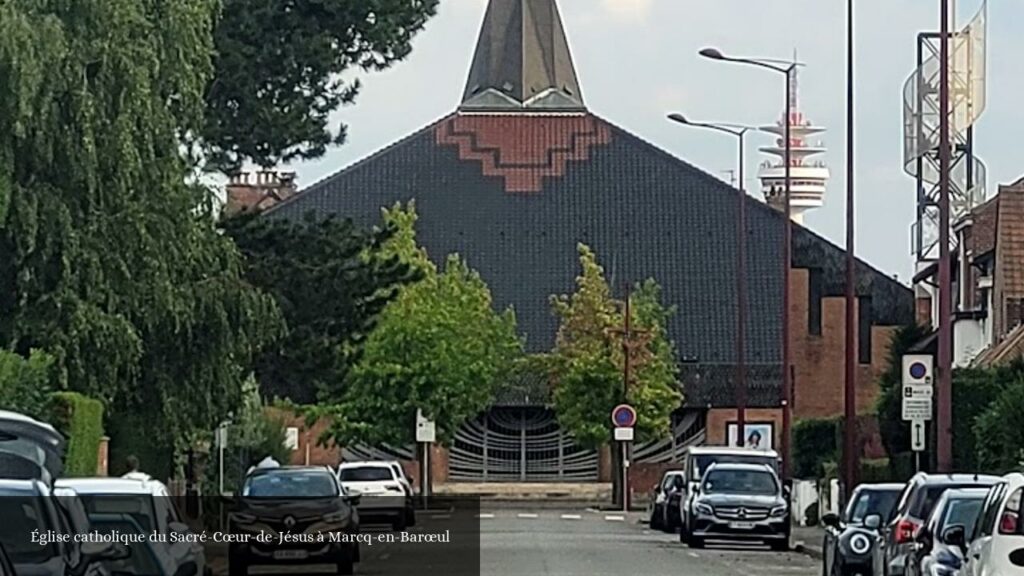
{"x": 779, "y": 511}
{"x": 705, "y": 509}
{"x": 860, "y": 544}
{"x": 335, "y": 517}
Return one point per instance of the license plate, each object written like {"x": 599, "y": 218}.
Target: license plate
{"x": 741, "y": 525}
{"x": 290, "y": 554}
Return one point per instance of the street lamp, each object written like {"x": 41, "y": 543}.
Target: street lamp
{"x": 786, "y": 68}
{"x": 851, "y": 466}
{"x": 738, "y": 131}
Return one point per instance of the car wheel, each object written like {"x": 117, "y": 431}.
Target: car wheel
{"x": 399, "y": 524}
{"x": 655, "y": 520}
{"x": 345, "y": 566}
{"x": 236, "y": 567}
{"x": 780, "y": 545}
{"x": 410, "y": 517}
{"x": 695, "y": 542}
{"x": 357, "y": 554}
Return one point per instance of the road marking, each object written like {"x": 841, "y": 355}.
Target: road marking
{"x": 526, "y": 515}
{"x": 485, "y": 516}
{"x": 694, "y": 555}
{"x": 615, "y": 518}
{"x": 440, "y": 516}
{"x": 571, "y": 517}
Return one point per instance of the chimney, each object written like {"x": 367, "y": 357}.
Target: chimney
{"x": 257, "y": 191}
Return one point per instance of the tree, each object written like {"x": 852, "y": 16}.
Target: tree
{"x": 25, "y": 383}
{"x": 998, "y": 435}
{"x": 439, "y": 347}
{"x": 283, "y": 67}
{"x": 111, "y": 262}
{"x": 330, "y": 280}
{"x": 588, "y": 359}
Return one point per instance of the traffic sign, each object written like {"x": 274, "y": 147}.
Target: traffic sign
{"x": 623, "y": 416}
{"x": 624, "y": 434}
{"x": 917, "y": 403}
{"x": 917, "y": 369}
{"x": 917, "y": 436}
{"x": 426, "y": 430}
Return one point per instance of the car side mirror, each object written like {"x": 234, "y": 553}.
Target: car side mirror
{"x": 187, "y": 569}
{"x": 955, "y": 535}
{"x": 179, "y": 528}
{"x": 831, "y": 520}
{"x": 353, "y": 499}
{"x": 923, "y": 540}
{"x": 873, "y": 522}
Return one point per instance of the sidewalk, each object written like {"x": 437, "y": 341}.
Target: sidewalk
{"x": 808, "y": 540}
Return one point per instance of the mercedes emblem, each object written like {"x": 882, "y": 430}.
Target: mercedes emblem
{"x": 289, "y": 522}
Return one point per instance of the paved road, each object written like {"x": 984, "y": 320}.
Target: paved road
{"x": 568, "y": 543}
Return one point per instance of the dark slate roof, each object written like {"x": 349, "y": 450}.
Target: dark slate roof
{"x": 514, "y": 194}
{"x": 522, "y": 59}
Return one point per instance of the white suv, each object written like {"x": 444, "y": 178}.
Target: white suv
{"x": 386, "y": 495}
{"x": 997, "y": 546}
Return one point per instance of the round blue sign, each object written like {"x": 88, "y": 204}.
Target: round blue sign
{"x": 624, "y": 416}
{"x": 918, "y": 370}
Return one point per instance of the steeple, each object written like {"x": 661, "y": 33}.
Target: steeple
{"x": 522, "y": 60}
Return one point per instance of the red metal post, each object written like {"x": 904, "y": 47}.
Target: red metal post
{"x": 945, "y": 384}
{"x": 850, "y": 455}
{"x": 786, "y": 263}
{"x": 741, "y": 297}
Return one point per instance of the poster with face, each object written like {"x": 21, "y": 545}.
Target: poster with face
{"x": 758, "y": 435}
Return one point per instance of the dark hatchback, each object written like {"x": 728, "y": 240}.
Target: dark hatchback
{"x": 302, "y": 503}
{"x": 849, "y": 538}
{"x": 939, "y": 543}
{"x": 896, "y": 545}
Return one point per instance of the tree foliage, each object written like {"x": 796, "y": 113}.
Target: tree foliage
{"x": 439, "y": 347}
{"x": 588, "y": 358}
{"x": 330, "y": 280}
{"x": 111, "y": 262}
{"x": 998, "y": 434}
{"x": 283, "y": 67}
{"x": 25, "y": 383}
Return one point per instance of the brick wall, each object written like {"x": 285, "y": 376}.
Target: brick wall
{"x": 319, "y": 455}
{"x": 719, "y": 419}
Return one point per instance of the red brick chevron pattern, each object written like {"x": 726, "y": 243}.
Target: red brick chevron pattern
{"x": 523, "y": 149}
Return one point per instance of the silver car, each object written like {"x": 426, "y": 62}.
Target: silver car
{"x": 738, "y": 502}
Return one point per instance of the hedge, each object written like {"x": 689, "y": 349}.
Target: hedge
{"x": 814, "y": 444}
{"x": 80, "y": 419}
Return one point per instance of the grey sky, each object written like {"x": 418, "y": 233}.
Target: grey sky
{"x": 637, "y": 60}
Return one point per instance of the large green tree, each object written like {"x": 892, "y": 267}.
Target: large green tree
{"x": 439, "y": 347}
{"x": 588, "y": 359}
{"x": 25, "y": 382}
{"x": 283, "y": 67}
{"x": 330, "y": 280}
{"x": 109, "y": 259}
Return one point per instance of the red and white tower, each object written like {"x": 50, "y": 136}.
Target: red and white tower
{"x": 808, "y": 177}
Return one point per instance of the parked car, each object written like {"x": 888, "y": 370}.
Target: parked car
{"x": 849, "y": 538}
{"x": 145, "y": 559}
{"x": 29, "y": 449}
{"x": 27, "y": 505}
{"x": 384, "y": 498}
{"x": 663, "y": 504}
{"x": 996, "y": 545}
{"x": 738, "y": 502}
{"x": 150, "y": 504}
{"x": 298, "y": 500}
{"x": 956, "y": 510}
{"x": 697, "y": 459}
{"x": 895, "y": 545}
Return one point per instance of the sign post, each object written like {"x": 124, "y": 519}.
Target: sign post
{"x": 918, "y": 394}
{"x": 426, "y": 435}
{"x": 624, "y": 418}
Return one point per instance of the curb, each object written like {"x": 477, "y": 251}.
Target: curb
{"x": 806, "y": 550}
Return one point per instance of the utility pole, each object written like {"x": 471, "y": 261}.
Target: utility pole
{"x": 850, "y": 432}
{"x": 944, "y": 420}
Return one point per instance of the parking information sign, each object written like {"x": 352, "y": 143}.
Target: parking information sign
{"x": 917, "y": 403}
{"x": 918, "y": 388}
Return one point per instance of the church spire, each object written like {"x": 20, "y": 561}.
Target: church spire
{"x": 522, "y": 60}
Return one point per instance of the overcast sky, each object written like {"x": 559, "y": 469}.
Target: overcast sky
{"x": 637, "y": 60}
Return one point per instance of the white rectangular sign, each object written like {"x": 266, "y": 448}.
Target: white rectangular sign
{"x": 624, "y": 434}
{"x": 917, "y": 403}
{"x": 291, "y": 438}
{"x": 426, "y": 430}
{"x": 917, "y": 436}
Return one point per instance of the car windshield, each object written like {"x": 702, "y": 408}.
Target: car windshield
{"x": 926, "y": 502}
{"x": 740, "y": 482}
{"x": 871, "y": 502}
{"x": 297, "y": 484}
{"x": 962, "y": 512}
{"x": 703, "y": 461}
{"x": 365, "y": 474}
{"x": 21, "y": 515}
{"x": 137, "y": 506}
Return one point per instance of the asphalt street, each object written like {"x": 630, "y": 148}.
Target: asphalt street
{"x": 566, "y": 543}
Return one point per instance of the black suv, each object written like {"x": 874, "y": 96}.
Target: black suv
{"x": 305, "y": 506}
{"x": 896, "y": 544}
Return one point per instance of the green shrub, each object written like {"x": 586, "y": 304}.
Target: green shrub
{"x": 80, "y": 419}
{"x": 25, "y": 383}
{"x": 876, "y": 471}
{"x": 814, "y": 444}
{"x": 1000, "y": 436}
{"x": 140, "y": 434}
